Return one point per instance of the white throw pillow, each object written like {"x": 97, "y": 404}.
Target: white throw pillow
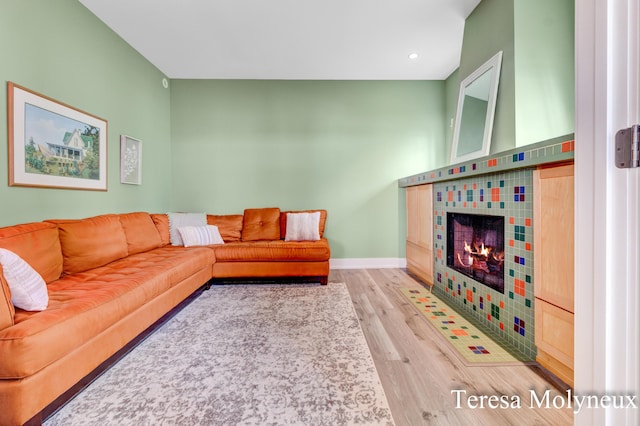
{"x": 177, "y": 220}
{"x": 200, "y": 235}
{"x": 28, "y": 289}
{"x": 303, "y": 227}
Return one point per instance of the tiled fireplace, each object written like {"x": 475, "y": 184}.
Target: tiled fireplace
{"x": 490, "y": 277}
{"x": 508, "y": 313}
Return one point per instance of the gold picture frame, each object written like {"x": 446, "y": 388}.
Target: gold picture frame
{"x": 54, "y": 145}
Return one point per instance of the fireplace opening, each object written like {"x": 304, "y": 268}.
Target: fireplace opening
{"x": 475, "y": 247}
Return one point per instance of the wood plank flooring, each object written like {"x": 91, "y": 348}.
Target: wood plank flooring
{"x": 419, "y": 370}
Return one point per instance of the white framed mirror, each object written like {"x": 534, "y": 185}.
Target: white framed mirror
{"x": 476, "y": 108}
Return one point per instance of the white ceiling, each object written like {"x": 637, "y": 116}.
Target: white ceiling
{"x": 292, "y": 39}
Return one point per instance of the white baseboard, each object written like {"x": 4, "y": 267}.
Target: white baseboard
{"x": 369, "y": 263}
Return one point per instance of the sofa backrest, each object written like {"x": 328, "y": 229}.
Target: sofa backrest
{"x": 91, "y": 243}
{"x": 229, "y": 225}
{"x": 254, "y": 222}
{"x": 140, "y": 231}
{"x": 261, "y": 224}
{"x": 38, "y": 244}
{"x": 161, "y": 220}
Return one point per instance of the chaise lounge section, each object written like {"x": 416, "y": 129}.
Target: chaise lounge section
{"x": 111, "y": 277}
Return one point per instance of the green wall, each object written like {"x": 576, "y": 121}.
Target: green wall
{"x": 536, "y": 92}
{"x": 60, "y": 49}
{"x": 544, "y": 69}
{"x": 451, "y": 90}
{"x": 338, "y": 145}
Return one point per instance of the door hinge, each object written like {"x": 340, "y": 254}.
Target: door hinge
{"x": 628, "y": 147}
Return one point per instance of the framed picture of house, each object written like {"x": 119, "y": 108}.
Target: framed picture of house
{"x": 54, "y": 145}
{"x": 130, "y": 160}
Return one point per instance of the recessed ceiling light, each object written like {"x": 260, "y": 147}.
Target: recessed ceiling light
{"x": 413, "y": 56}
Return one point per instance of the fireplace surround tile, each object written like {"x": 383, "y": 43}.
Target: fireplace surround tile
{"x": 492, "y": 194}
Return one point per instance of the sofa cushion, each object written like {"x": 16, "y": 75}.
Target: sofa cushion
{"x": 303, "y": 227}
{"x": 176, "y": 220}
{"x": 141, "y": 232}
{"x": 200, "y": 235}
{"x": 161, "y": 221}
{"x": 278, "y": 250}
{"x": 7, "y": 310}
{"x": 283, "y": 221}
{"x": 83, "y": 305}
{"x": 28, "y": 289}
{"x": 230, "y": 226}
{"x": 261, "y": 224}
{"x": 38, "y": 244}
{"x": 92, "y": 242}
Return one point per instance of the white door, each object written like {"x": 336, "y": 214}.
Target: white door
{"x": 607, "y": 257}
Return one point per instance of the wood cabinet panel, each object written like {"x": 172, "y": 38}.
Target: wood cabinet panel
{"x": 420, "y": 231}
{"x": 412, "y": 214}
{"x": 554, "y": 339}
{"x": 553, "y": 235}
{"x": 553, "y": 238}
{"x": 420, "y": 261}
{"x": 419, "y": 215}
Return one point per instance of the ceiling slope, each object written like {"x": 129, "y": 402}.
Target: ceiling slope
{"x": 292, "y": 39}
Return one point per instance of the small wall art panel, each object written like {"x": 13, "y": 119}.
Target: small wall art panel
{"x": 130, "y": 160}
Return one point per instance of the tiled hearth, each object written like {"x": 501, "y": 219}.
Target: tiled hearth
{"x": 499, "y": 186}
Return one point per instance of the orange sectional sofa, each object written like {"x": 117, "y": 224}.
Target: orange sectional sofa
{"x": 111, "y": 277}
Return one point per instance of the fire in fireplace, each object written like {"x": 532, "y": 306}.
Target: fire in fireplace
{"x": 475, "y": 247}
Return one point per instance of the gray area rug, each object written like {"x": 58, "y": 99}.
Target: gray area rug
{"x": 244, "y": 355}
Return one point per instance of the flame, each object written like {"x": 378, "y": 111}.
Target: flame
{"x": 480, "y": 257}
{"x": 484, "y": 251}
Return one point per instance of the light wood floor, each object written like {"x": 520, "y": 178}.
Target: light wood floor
{"x": 419, "y": 370}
